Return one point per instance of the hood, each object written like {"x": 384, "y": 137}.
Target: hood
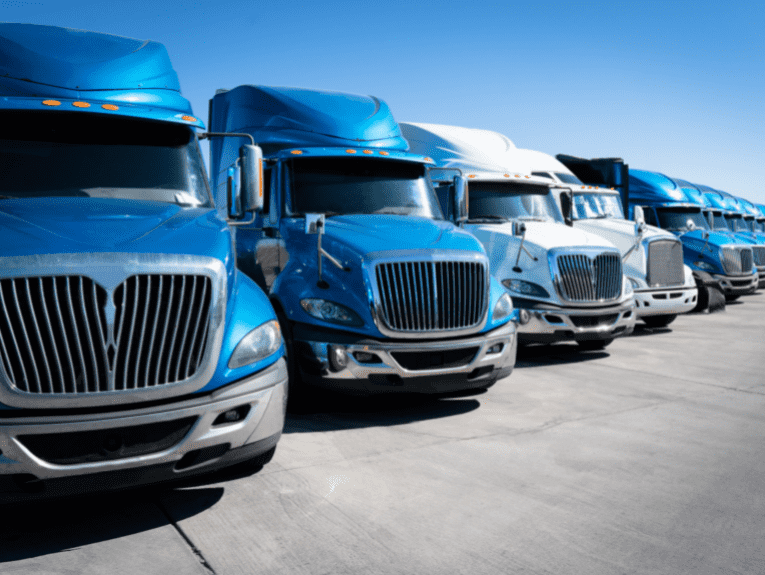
{"x": 75, "y": 225}
{"x": 545, "y": 235}
{"x": 618, "y": 231}
{"x": 355, "y": 236}
{"x": 715, "y": 238}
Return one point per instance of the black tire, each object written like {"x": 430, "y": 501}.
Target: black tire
{"x": 300, "y": 395}
{"x": 731, "y": 297}
{"x": 659, "y": 320}
{"x": 594, "y": 344}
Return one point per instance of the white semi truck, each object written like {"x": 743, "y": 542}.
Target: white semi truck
{"x": 566, "y": 282}
{"x": 652, "y": 258}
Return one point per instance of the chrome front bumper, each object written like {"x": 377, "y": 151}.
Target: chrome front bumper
{"x": 372, "y": 366}
{"x": 549, "y": 324}
{"x": 265, "y": 393}
{"x": 738, "y": 285}
{"x": 665, "y": 301}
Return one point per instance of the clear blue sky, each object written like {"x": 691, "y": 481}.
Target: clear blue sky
{"x": 677, "y": 87}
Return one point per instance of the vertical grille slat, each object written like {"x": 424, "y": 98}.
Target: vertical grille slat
{"x": 582, "y": 278}
{"x": 424, "y": 296}
{"x": 55, "y": 338}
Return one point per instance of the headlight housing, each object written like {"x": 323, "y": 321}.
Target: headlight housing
{"x": 330, "y": 311}
{"x": 628, "y": 286}
{"x": 503, "y": 308}
{"x": 634, "y": 282}
{"x": 256, "y": 345}
{"x": 525, "y": 288}
{"x": 707, "y": 267}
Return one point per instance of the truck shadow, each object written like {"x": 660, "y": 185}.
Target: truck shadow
{"x": 643, "y": 330}
{"x": 558, "y": 353}
{"x": 41, "y": 528}
{"x": 360, "y": 412}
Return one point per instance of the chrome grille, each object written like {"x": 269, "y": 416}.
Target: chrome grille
{"x": 426, "y": 296}
{"x": 582, "y": 278}
{"x": 665, "y": 263}
{"x": 737, "y": 260}
{"x": 758, "y": 253}
{"x": 56, "y": 336}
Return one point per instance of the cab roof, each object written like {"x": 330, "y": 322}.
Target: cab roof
{"x": 295, "y": 117}
{"x": 64, "y": 63}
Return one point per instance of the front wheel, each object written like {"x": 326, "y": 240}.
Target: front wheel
{"x": 659, "y": 320}
{"x": 594, "y": 344}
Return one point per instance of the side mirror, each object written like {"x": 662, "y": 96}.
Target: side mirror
{"x": 519, "y": 228}
{"x": 313, "y": 223}
{"x": 639, "y": 217}
{"x": 251, "y": 177}
{"x": 460, "y": 200}
{"x": 566, "y": 205}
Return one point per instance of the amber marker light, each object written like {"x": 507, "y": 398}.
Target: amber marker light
{"x": 350, "y": 151}
{"x": 429, "y": 160}
{"x": 51, "y": 103}
{"x": 111, "y": 107}
{"x": 527, "y": 177}
{"x": 296, "y": 152}
{"x": 384, "y": 153}
{"x": 80, "y": 104}
{"x": 189, "y": 118}
{"x": 507, "y": 175}
{"x": 368, "y": 152}
{"x": 471, "y": 176}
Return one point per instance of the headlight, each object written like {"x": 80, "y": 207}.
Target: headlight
{"x": 704, "y": 266}
{"x": 330, "y": 311}
{"x": 503, "y": 308}
{"x": 628, "y": 286}
{"x": 525, "y": 288}
{"x": 256, "y": 345}
{"x": 634, "y": 282}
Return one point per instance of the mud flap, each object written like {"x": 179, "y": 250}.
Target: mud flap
{"x": 711, "y": 296}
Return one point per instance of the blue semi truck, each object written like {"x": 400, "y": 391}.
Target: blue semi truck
{"x": 131, "y": 348}
{"x": 724, "y": 257}
{"x": 727, "y": 214}
{"x": 375, "y": 290}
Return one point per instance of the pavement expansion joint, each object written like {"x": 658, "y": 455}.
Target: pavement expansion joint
{"x": 726, "y": 387}
{"x": 193, "y": 548}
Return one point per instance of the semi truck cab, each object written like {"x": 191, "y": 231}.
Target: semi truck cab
{"x": 568, "y": 283}
{"x": 131, "y": 349}
{"x": 652, "y": 258}
{"x": 376, "y": 291}
{"x": 725, "y": 258}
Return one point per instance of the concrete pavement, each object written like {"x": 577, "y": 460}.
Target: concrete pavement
{"x": 645, "y": 458}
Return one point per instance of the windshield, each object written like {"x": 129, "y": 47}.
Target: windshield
{"x": 336, "y": 186}
{"x": 568, "y": 178}
{"x": 679, "y": 219}
{"x": 720, "y": 223}
{"x": 758, "y": 225}
{"x": 588, "y": 206}
{"x": 45, "y": 154}
{"x": 736, "y": 222}
{"x": 505, "y": 201}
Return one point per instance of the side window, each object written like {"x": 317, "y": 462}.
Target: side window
{"x": 650, "y": 217}
{"x": 542, "y": 175}
{"x": 267, "y": 175}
